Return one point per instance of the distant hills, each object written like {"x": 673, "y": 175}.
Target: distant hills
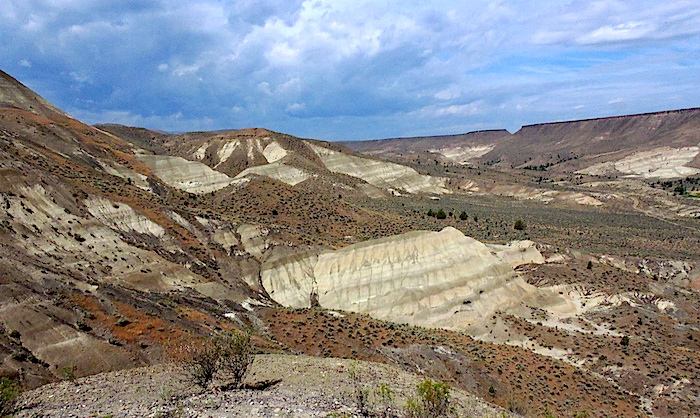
{"x": 662, "y": 144}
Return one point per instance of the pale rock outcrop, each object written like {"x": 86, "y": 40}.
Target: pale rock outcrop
{"x": 221, "y": 149}
{"x": 201, "y": 152}
{"x": 226, "y": 150}
{"x": 289, "y": 278}
{"x": 88, "y": 242}
{"x": 190, "y": 176}
{"x": 463, "y": 155}
{"x": 218, "y": 232}
{"x": 380, "y": 173}
{"x": 277, "y": 170}
{"x": 254, "y": 239}
{"x": 437, "y": 279}
{"x": 225, "y": 238}
{"x": 544, "y": 195}
{"x": 517, "y": 253}
{"x": 59, "y": 344}
{"x": 124, "y": 172}
{"x": 274, "y": 152}
{"x": 662, "y": 162}
{"x": 122, "y": 217}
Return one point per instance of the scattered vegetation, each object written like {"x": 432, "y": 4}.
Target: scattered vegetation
{"x": 439, "y": 214}
{"x": 432, "y": 400}
{"x": 680, "y": 187}
{"x": 378, "y": 402}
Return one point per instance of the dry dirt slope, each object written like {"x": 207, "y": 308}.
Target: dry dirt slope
{"x": 309, "y": 387}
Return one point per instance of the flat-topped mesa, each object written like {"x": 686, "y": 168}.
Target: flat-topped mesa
{"x": 437, "y": 279}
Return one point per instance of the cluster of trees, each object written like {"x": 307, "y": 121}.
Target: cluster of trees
{"x": 519, "y": 224}
{"x": 441, "y": 214}
{"x": 679, "y": 187}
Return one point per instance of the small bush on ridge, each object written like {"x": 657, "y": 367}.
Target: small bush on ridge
{"x": 226, "y": 356}
{"x": 9, "y": 391}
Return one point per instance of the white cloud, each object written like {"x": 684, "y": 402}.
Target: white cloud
{"x": 279, "y": 64}
{"x": 184, "y": 70}
{"x": 265, "y": 88}
{"x": 295, "y": 107}
{"x": 457, "y": 110}
{"x": 81, "y": 78}
{"x": 622, "y": 32}
{"x": 448, "y": 94}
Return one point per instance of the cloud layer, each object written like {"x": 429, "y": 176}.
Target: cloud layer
{"x": 353, "y": 69}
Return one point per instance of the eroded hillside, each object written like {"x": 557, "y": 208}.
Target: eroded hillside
{"x": 117, "y": 243}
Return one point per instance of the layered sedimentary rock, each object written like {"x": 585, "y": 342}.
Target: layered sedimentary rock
{"x": 380, "y": 173}
{"x": 518, "y": 253}
{"x": 438, "y": 279}
{"x": 282, "y": 172}
{"x": 87, "y": 242}
{"x": 662, "y": 162}
{"x": 190, "y": 176}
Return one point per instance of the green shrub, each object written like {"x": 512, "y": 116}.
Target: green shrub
{"x": 519, "y": 225}
{"x": 360, "y": 395}
{"x": 67, "y": 373}
{"x": 433, "y": 400}
{"x": 375, "y": 403}
{"x": 9, "y": 391}
{"x": 202, "y": 364}
{"x": 226, "y": 356}
{"x": 385, "y": 400}
{"x": 236, "y": 355}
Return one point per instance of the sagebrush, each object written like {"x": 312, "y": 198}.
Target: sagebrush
{"x": 433, "y": 400}
{"x": 9, "y": 391}
{"x": 225, "y": 356}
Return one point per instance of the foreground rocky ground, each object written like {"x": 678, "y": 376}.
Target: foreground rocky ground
{"x": 309, "y": 387}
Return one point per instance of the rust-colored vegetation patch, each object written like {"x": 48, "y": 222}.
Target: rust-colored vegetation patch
{"x": 128, "y": 325}
{"x": 522, "y": 381}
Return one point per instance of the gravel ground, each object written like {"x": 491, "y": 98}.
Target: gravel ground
{"x": 310, "y": 387}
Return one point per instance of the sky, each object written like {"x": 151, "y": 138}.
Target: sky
{"x": 353, "y": 69}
